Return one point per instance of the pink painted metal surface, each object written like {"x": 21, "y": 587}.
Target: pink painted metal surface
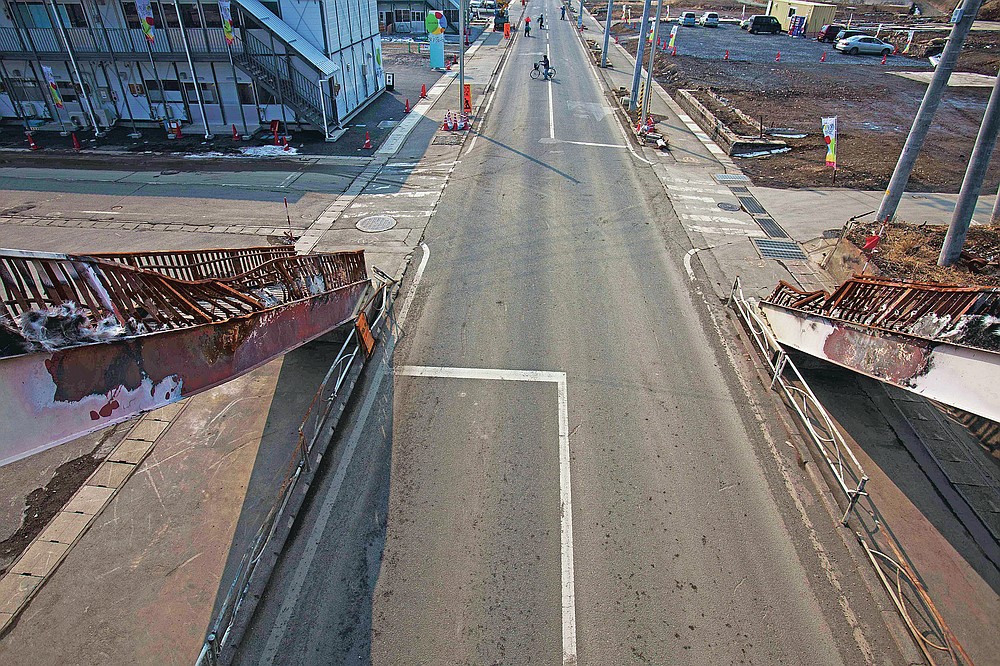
{"x": 915, "y": 336}
{"x": 177, "y": 337}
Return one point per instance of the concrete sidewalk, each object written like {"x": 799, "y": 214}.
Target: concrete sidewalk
{"x": 961, "y": 580}
{"x": 144, "y": 582}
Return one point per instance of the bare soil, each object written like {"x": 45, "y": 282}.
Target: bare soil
{"x": 875, "y": 110}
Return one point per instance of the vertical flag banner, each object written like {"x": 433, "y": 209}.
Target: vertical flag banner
{"x": 673, "y": 36}
{"x": 435, "y": 23}
{"x": 227, "y": 21}
{"x": 909, "y": 40}
{"x": 830, "y": 136}
{"x": 145, "y": 10}
{"x": 51, "y": 80}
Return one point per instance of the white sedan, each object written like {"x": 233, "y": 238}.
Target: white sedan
{"x": 864, "y": 44}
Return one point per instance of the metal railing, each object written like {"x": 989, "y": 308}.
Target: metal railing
{"x": 850, "y": 477}
{"x": 117, "y": 40}
{"x": 297, "y": 89}
{"x": 313, "y": 425}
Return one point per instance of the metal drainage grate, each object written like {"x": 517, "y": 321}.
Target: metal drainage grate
{"x": 730, "y": 178}
{"x": 730, "y": 207}
{"x": 738, "y": 190}
{"x": 770, "y": 227}
{"x": 752, "y": 205}
{"x": 778, "y": 249}
{"x": 376, "y": 223}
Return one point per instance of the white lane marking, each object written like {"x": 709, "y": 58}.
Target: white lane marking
{"x": 692, "y": 197}
{"x": 717, "y": 219}
{"x": 101, "y": 212}
{"x": 413, "y": 287}
{"x": 288, "y": 181}
{"x": 687, "y": 259}
{"x": 721, "y": 231}
{"x": 489, "y": 104}
{"x": 565, "y": 484}
{"x": 406, "y": 195}
{"x": 596, "y": 145}
{"x": 552, "y": 113}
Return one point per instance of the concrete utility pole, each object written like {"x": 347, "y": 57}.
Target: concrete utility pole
{"x": 954, "y": 240}
{"x": 995, "y": 215}
{"x": 607, "y": 34}
{"x": 461, "y": 56}
{"x": 965, "y": 14}
{"x": 652, "y": 62}
{"x": 639, "y": 52}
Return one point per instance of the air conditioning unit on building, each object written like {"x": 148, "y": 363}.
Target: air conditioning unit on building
{"x": 105, "y": 118}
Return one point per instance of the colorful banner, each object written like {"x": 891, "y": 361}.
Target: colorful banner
{"x": 909, "y": 40}
{"x": 51, "y": 80}
{"x": 673, "y": 36}
{"x": 435, "y": 23}
{"x": 227, "y": 21}
{"x": 830, "y": 136}
{"x": 145, "y": 10}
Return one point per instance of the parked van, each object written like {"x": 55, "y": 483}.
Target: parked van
{"x": 762, "y": 24}
{"x": 829, "y": 32}
{"x": 688, "y": 19}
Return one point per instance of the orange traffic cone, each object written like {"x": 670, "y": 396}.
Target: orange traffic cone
{"x": 368, "y": 142}
{"x": 76, "y": 142}
{"x": 673, "y": 52}
{"x": 822, "y": 58}
{"x": 423, "y": 91}
{"x": 884, "y": 58}
{"x": 777, "y": 58}
{"x": 177, "y": 132}
{"x": 31, "y": 143}
{"x": 287, "y": 147}
{"x": 726, "y": 57}
{"x": 406, "y": 109}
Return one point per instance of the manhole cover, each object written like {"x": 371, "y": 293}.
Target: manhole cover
{"x": 731, "y": 207}
{"x": 376, "y": 223}
{"x": 447, "y": 139}
{"x": 388, "y": 124}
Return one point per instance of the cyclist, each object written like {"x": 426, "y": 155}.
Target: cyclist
{"x": 541, "y": 21}
{"x": 546, "y": 68}
{"x": 527, "y": 26}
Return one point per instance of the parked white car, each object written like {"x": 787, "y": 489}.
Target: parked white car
{"x": 709, "y": 20}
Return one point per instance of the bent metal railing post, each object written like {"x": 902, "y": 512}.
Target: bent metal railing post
{"x": 831, "y": 445}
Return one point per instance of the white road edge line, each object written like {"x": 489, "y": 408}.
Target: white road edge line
{"x": 552, "y": 115}
{"x": 405, "y": 309}
{"x": 489, "y": 103}
{"x": 687, "y": 259}
{"x": 565, "y": 484}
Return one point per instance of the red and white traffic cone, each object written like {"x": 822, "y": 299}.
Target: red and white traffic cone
{"x": 177, "y": 132}
{"x": 406, "y": 109}
{"x": 286, "y": 146}
{"x": 777, "y": 58}
{"x": 822, "y": 58}
{"x": 76, "y": 142}
{"x": 726, "y": 57}
{"x": 276, "y": 141}
{"x": 31, "y": 143}
{"x": 884, "y": 57}
{"x": 423, "y": 91}
{"x": 673, "y": 52}
{"x": 236, "y": 135}
{"x": 368, "y": 142}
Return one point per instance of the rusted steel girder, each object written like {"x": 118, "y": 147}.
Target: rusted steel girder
{"x": 178, "y": 337}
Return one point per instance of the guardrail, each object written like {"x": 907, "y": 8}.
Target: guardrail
{"x": 851, "y": 478}
{"x": 313, "y": 425}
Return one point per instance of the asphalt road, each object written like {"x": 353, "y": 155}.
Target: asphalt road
{"x": 574, "y": 477}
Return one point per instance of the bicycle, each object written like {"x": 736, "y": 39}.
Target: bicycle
{"x": 536, "y": 72}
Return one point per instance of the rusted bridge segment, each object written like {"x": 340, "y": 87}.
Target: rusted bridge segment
{"x": 942, "y": 342}
{"x": 87, "y": 341}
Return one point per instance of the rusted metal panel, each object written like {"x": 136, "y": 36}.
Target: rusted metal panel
{"x": 956, "y": 375}
{"x": 174, "y": 337}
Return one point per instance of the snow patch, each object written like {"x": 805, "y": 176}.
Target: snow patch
{"x": 764, "y": 153}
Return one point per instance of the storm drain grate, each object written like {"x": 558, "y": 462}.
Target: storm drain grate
{"x": 724, "y": 178}
{"x": 778, "y": 249}
{"x": 739, "y": 191}
{"x": 751, "y": 205}
{"x": 376, "y": 223}
{"x": 770, "y": 227}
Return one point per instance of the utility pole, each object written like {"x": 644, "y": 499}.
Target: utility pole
{"x": 965, "y": 15}
{"x": 954, "y": 240}
{"x": 639, "y": 52}
{"x": 995, "y": 215}
{"x": 607, "y": 34}
{"x": 461, "y": 56}
{"x": 652, "y": 61}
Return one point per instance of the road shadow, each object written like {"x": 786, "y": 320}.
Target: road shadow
{"x": 846, "y": 395}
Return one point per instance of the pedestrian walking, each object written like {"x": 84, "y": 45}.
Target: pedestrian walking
{"x": 541, "y": 21}
{"x": 527, "y": 26}
{"x": 562, "y": 13}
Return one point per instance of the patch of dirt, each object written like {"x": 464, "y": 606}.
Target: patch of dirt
{"x": 875, "y": 110}
{"x": 909, "y": 252}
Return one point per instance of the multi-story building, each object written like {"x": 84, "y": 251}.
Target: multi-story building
{"x": 205, "y": 64}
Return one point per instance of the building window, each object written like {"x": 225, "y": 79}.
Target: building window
{"x": 192, "y": 19}
{"x": 402, "y": 16}
{"x": 451, "y": 15}
{"x": 132, "y": 16}
{"x": 67, "y": 91}
{"x": 245, "y": 92}
{"x": 208, "y": 92}
{"x": 171, "y": 88}
{"x": 417, "y": 17}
